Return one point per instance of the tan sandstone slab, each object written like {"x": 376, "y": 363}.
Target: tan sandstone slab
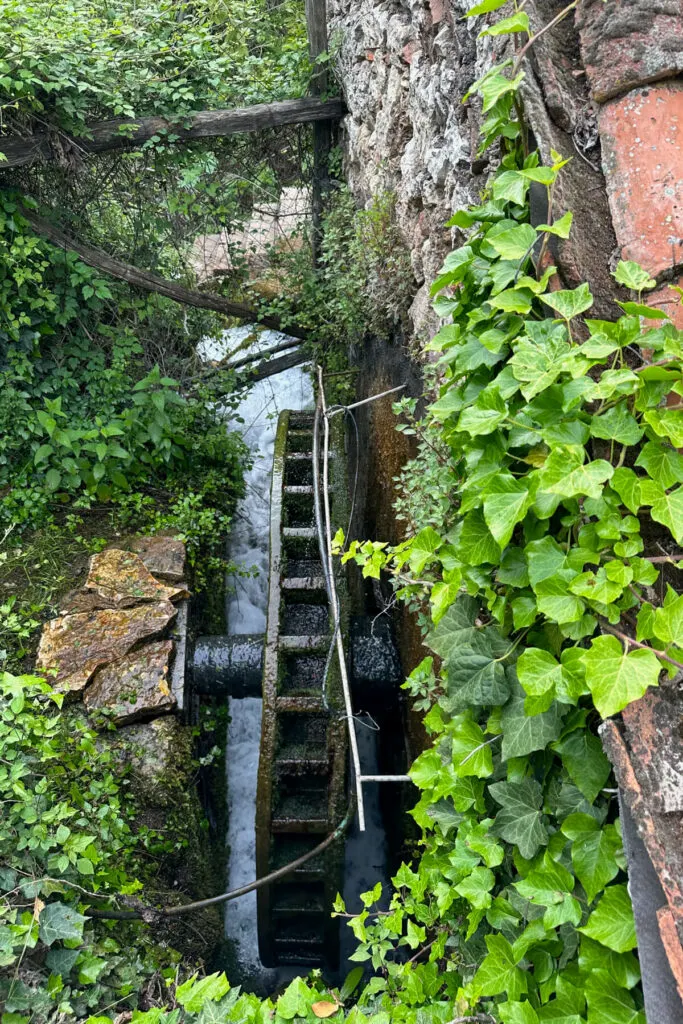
{"x": 76, "y": 645}
{"x": 122, "y": 579}
{"x": 136, "y": 686}
{"x": 163, "y": 556}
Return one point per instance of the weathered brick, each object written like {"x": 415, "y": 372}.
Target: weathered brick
{"x": 642, "y": 154}
{"x": 628, "y": 43}
{"x": 667, "y": 299}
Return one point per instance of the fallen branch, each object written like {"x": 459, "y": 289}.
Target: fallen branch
{"x": 129, "y": 133}
{"x": 149, "y": 281}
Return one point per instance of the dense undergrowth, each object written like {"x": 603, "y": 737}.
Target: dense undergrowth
{"x": 544, "y": 512}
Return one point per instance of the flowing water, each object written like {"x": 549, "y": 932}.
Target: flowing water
{"x": 246, "y": 613}
{"x": 248, "y": 546}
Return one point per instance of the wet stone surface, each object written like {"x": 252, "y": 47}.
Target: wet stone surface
{"x": 135, "y": 687}
{"x": 76, "y": 645}
{"x": 303, "y": 674}
{"x": 305, "y": 620}
{"x": 122, "y": 580}
{"x": 163, "y": 556}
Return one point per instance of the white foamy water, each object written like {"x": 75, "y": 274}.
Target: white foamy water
{"x": 248, "y": 547}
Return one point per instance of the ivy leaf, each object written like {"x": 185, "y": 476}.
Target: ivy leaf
{"x": 513, "y": 187}
{"x": 640, "y": 309}
{"x": 555, "y": 601}
{"x": 519, "y": 820}
{"x": 569, "y": 303}
{"x": 560, "y": 227}
{"x": 522, "y": 733}
{"x": 666, "y": 423}
{"x": 476, "y": 888}
{"x": 632, "y": 275}
{"x": 611, "y": 923}
{"x": 498, "y": 971}
{"x": 517, "y": 1013}
{"x": 610, "y": 1004}
{"x": 505, "y": 504}
{"x": 484, "y": 415}
{"x": 585, "y": 480}
{"x": 457, "y": 627}
{"x": 547, "y": 883}
{"x": 668, "y": 510}
{"x": 594, "y": 852}
{"x": 194, "y": 993}
{"x": 627, "y": 485}
{"x": 295, "y": 1000}
{"x": 484, "y": 7}
{"x": 475, "y": 678}
{"x": 586, "y": 764}
{"x": 545, "y": 558}
{"x": 615, "y": 677}
{"x": 539, "y": 673}
{"x": 423, "y": 548}
{"x": 668, "y": 621}
{"x": 617, "y": 424}
{"x": 476, "y": 544}
{"x": 662, "y": 463}
{"x": 59, "y": 921}
{"x": 514, "y": 243}
{"x": 471, "y": 754}
{"x": 518, "y": 22}
{"x": 595, "y": 586}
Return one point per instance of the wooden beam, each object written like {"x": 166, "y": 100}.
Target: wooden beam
{"x": 316, "y": 23}
{"x": 149, "y": 281}
{"x": 131, "y": 133}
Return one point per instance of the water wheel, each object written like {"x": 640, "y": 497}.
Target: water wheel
{"x": 301, "y": 785}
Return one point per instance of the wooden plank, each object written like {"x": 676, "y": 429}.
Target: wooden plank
{"x": 129, "y": 133}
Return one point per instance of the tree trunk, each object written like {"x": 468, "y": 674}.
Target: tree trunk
{"x": 131, "y": 133}
{"x": 150, "y": 282}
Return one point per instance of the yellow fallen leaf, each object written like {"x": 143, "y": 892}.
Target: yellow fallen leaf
{"x": 324, "y": 1008}
{"x": 38, "y": 905}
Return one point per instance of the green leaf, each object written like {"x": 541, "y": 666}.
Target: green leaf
{"x": 611, "y": 923}
{"x": 523, "y": 733}
{"x": 514, "y": 243}
{"x": 476, "y": 888}
{"x": 594, "y": 852}
{"x": 547, "y": 883}
{"x": 610, "y": 1004}
{"x": 569, "y": 303}
{"x": 53, "y": 478}
{"x": 476, "y": 544}
{"x": 616, "y": 678}
{"x": 517, "y": 1013}
{"x": 513, "y": 187}
{"x": 484, "y": 7}
{"x": 471, "y": 754}
{"x": 585, "y": 480}
{"x": 506, "y": 502}
{"x": 640, "y": 309}
{"x": 662, "y": 463}
{"x": 539, "y": 673}
{"x": 668, "y": 621}
{"x": 295, "y": 1000}
{"x": 423, "y": 548}
{"x": 632, "y": 275}
{"x": 484, "y": 415}
{"x": 595, "y": 586}
{"x": 545, "y": 558}
{"x": 498, "y": 971}
{"x": 456, "y": 628}
{"x": 560, "y": 227}
{"x": 617, "y": 424}
{"x": 195, "y": 992}
{"x": 475, "y": 678}
{"x": 627, "y": 485}
{"x": 519, "y": 820}
{"x": 555, "y": 601}
{"x": 666, "y": 423}
{"x": 668, "y": 510}
{"x": 518, "y": 22}
{"x": 586, "y": 764}
{"x": 59, "y": 921}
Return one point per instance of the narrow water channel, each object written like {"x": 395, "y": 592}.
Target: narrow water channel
{"x": 248, "y": 547}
